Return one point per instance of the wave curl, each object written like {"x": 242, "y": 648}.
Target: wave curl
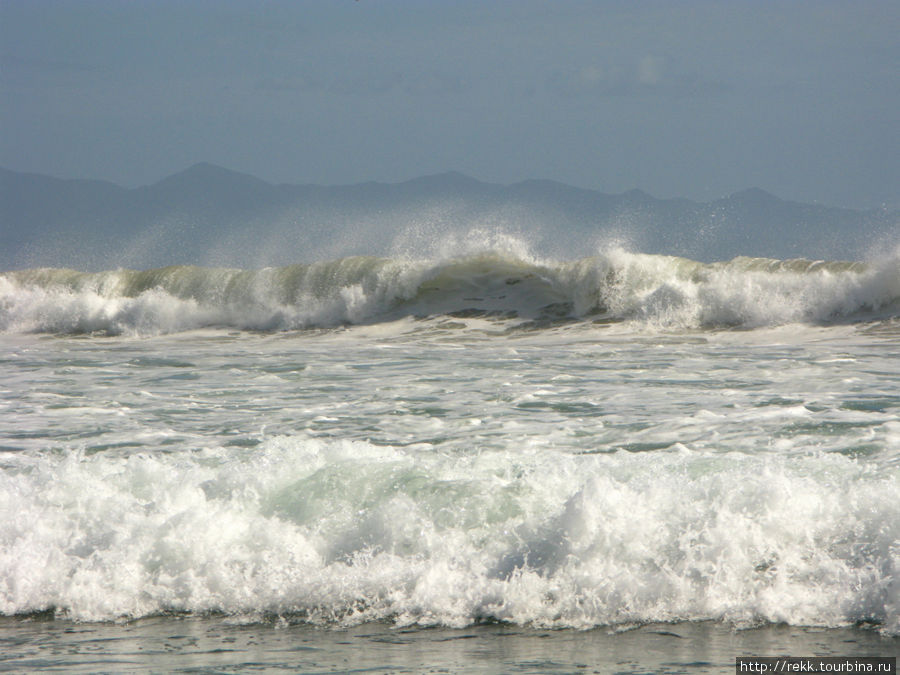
{"x": 651, "y": 290}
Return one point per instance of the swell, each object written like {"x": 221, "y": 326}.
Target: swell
{"x": 650, "y": 290}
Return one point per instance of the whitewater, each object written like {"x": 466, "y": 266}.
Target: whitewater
{"x": 661, "y": 291}
{"x": 482, "y": 443}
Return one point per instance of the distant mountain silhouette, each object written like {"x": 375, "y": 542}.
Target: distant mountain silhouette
{"x": 209, "y": 215}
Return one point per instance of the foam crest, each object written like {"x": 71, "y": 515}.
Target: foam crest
{"x": 492, "y": 275}
{"x": 677, "y": 293}
{"x": 339, "y": 532}
{"x": 175, "y": 299}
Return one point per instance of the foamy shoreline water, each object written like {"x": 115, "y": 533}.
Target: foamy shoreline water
{"x": 565, "y": 477}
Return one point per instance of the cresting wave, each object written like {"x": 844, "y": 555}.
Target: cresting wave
{"x": 337, "y": 532}
{"x": 659, "y": 291}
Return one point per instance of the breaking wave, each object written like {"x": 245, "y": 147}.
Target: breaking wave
{"x": 337, "y": 533}
{"x": 659, "y": 291}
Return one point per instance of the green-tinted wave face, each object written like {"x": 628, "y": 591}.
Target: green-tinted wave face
{"x": 648, "y": 290}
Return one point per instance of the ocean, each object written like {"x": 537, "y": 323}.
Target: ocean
{"x": 481, "y": 462}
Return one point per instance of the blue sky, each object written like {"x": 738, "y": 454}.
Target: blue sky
{"x": 692, "y": 99}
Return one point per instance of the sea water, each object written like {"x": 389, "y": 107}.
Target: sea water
{"x": 484, "y": 445}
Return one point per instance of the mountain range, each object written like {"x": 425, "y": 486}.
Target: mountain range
{"x": 208, "y": 215}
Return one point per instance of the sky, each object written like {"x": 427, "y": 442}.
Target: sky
{"x": 680, "y": 99}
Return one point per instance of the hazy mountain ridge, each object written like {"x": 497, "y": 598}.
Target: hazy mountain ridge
{"x": 209, "y": 215}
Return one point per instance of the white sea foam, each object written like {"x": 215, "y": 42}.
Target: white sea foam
{"x": 342, "y": 532}
{"x": 574, "y": 476}
{"x": 492, "y": 276}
